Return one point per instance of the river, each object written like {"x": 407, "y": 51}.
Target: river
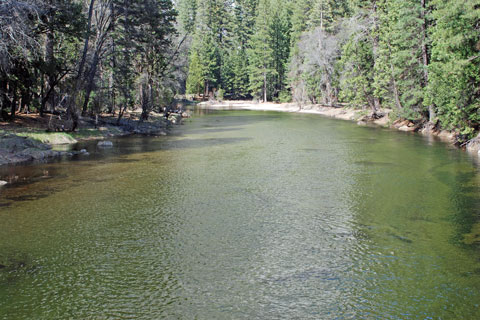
{"x": 245, "y": 215}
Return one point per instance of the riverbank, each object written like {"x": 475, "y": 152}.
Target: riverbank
{"x": 26, "y": 139}
{"x": 361, "y": 117}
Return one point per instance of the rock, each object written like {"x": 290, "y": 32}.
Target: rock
{"x": 105, "y": 144}
{"x": 406, "y": 128}
{"x": 175, "y": 118}
{"x": 474, "y": 145}
{"x": 83, "y": 151}
{"x": 2, "y": 183}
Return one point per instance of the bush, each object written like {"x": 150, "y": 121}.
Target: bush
{"x": 285, "y": 96}
{"x": 220, "y": 94}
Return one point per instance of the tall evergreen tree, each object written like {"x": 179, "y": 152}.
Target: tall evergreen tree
{"x": 243, "y": 22}
{"x": 260, "y": 52}
{"x": 454, "y": 76}
{"x": 280, "y": 44}
{"x": 400, "y": 61}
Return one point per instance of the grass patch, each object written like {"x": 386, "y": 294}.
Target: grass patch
{"x": 52, "y": 138}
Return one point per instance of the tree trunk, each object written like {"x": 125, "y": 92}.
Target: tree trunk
{"x": 376, "y": 100}
{"x": 50, "y": 60}
{"x": 111, "y": 107}
{"x": 41, "y": 98}
{"x": 265, "y": 87}
{"x": 5, "y": 102}
{"x": 111, "y": 79}
{"x": 396, "y": 93}
{"x": 431, "y": 109}
{"x": 90, "y": 81}
{"x": 144, "y": 99}
{"x": 81, "y": 66}
{"x": 13, "y": 103}
{"x": 207, "y": 90}
{"x": 26, "y": 99}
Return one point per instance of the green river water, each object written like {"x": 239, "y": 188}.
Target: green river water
{"x": 245, "y": 215}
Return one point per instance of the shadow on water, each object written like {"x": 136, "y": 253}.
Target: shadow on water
{"x": 11, "y": 261}
{"x": 211, "y": 129}
{"x": 19, "y": 177}
{"x": 465, "y": 215}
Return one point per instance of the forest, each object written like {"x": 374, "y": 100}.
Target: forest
{"x": 420, "y": 58}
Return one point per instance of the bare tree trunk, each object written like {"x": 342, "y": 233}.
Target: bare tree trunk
{"x": 111, "y": 108}
{"x": 5, "y": 102}
{"x": 114, "y": 63}
{"x": 104, "y": 23}
{"x": 207, "y": 90}
{"x": 13, "y": 104}
{"x": 90, "y": 82}
{"x": 50, "y": 59}
{"x": 81, "y": 66}
{"x": 265, "y": 86}
{"x": 26, "y": 99}
{"x": 41, "y": 98}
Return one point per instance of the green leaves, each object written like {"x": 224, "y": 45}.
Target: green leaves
{"x": 454, "y": 70}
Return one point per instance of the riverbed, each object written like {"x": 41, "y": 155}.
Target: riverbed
{"x": 245, "y": 215}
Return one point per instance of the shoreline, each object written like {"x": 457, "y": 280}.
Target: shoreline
{"x": 25, "y": 143}
{"x": 361, "y": 117}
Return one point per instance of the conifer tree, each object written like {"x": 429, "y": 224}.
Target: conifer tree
{"x": 454, "y": 71}
{"x": 280, "y": 44}
{"x": 260, "y": 53}
{"x": 400, "y": 76}
{"x": 195, "y": 80}
{"x": 243, "y": 22}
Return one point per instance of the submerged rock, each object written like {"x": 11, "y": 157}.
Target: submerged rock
{"x": 474, "y": 145}
{"x": 105, "y": 144}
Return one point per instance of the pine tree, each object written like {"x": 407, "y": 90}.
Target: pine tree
{"x": 196, "y": 79}
{"x": 280, "y": 44}
{"x": 300, "y": 13}
{"x": 260, "y": 53}
{"x": 187, "y": 14}
{"x": 243, "y": 22}
{"x": 357, "y": 69}
{"x": 321, "y": 15}
{"x": 454, "y": 71}
{"x": 400, "y": 62}
{"x": 360, "y": 56}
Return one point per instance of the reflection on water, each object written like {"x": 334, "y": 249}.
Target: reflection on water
{"x": 245, "y": 215}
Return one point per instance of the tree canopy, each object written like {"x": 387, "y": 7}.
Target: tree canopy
{"x": 417, "y": 57}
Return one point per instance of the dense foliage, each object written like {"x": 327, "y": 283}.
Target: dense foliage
{"x": 420, "y": 58}
{"x": 85, "y": 56}
{"x": 417, "y": 57}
